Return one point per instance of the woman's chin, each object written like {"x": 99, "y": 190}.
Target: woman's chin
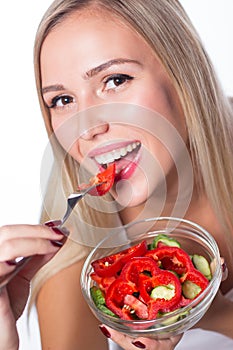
{"x": 127, "y": 194}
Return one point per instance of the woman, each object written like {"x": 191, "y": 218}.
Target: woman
{"x": 99, "y": 94}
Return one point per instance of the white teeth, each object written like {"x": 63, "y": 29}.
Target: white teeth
{"x": 123, "y": 152}
{"x": 129, "y": 148}
{"x": 117, "y": 154}
{"x": 109, "y": 157}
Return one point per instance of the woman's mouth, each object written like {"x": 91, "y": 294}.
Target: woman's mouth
{"x": 125, "y": 156}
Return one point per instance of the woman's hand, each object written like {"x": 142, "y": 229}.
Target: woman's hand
{"x": 129, "y": 343}
{"x": 38, "y": 241}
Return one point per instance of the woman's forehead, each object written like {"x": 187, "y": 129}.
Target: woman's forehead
{"x": 91, "y": 38}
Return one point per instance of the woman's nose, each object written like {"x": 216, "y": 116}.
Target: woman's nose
{"x": 91, "y": 116}
{"x": 100, "y": 127}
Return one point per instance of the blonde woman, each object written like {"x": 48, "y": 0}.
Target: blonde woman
{"x": 128, "y": 82}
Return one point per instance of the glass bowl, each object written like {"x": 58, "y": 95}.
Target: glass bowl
{"x": 193, "y": 239}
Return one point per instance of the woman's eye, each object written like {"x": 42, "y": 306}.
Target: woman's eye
{"x": 116, "y": 80}
{"x": 61, "y": 101}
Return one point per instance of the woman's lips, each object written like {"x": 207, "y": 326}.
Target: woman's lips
{"x": 125, "y": 156}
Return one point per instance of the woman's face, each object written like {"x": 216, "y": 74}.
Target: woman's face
{"x": 94, "y": 60}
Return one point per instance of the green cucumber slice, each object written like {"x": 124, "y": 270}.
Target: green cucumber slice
{"x": 163, "y": 292}
{"x": 173, "y": 319}
{"x": 202, "y": 265}
{"x": 104, "y": 309}
{"x": 190, "y": 290}
{"x": 171, "y": 242}
{"x": 99, "y": 300}
{"x": 97, "y": 296}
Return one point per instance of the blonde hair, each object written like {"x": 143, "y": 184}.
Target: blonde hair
{"x": 169, "y": 32}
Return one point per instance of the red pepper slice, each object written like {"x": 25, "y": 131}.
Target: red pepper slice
{"x": 163, "y": 303}
{"x": 196, "y": 277}
{"x": 139, "y": 249}
{"x": 172, "y": 258}
{"x": 111, "y": 265}
{"x": 108, "y": 266}
{"x": 115, "y": 296}
{"x": 102, "y": 282}
{"x": 181, "y": 303}
{"x": 139, "y": 265}
{"x": 107, "y": 177}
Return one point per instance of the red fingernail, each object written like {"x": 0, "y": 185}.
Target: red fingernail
{"x": 15, "y": 261}
{"x": 139, "y": 345}
{"x": 105, "y": 331}
{"x": 53, "y": 223}
{"x": 11, "y": 262}
{"x": 57, "y": 243}
{"x": 61, "y": 230}
{"x": 224, "y": 266}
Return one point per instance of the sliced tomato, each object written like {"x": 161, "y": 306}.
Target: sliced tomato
{"x": 136, "y": 306}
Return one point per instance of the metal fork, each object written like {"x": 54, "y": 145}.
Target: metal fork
{"x": 20, "y": 262}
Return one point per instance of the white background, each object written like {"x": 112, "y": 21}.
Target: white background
{"x": 22, "y": 135}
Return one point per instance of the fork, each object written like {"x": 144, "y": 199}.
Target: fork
{"x": 21, "y": 261}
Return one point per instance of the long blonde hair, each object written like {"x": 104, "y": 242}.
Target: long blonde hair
{"x": 167, "y": 29}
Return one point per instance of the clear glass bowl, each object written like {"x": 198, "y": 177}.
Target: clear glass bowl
{"x": 193, "y": 239}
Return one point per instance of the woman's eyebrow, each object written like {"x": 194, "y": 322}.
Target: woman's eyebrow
{"x": 106, "y": 65}
{"x": 90, "y": 73}
{"x": 56, "y": 87}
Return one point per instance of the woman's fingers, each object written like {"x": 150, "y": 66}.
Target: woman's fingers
{"x": 224, "y": 269}
{"x": 223, "y": 266}
{"x": 14, "y": 248}
{"x": 5, "y": 268}
{"x": 129, "y": 343}
{"x": 9, "y": 333}
{"x": 26, "y": 240}
{"x": 19, "y": 231}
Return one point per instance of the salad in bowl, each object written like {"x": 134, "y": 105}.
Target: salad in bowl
{"x": 155, "y": 277}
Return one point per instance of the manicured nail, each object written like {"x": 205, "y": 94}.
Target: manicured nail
{"x": 15, "y": 261}
{"x": 57, "y": 243}
{"x": 139, "y": 345}
{"x": 105, "y": 331}
{"x": 11, "y": 262}
{"x": 224, "y": 269}
{"x": 61, "y": 231}
{"x": 224, "y": 266}
{"x": 53, "y": 223}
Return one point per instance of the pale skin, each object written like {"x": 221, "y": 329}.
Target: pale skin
{"x": 16, "y": 241}
{"x": 104, "y": 68}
